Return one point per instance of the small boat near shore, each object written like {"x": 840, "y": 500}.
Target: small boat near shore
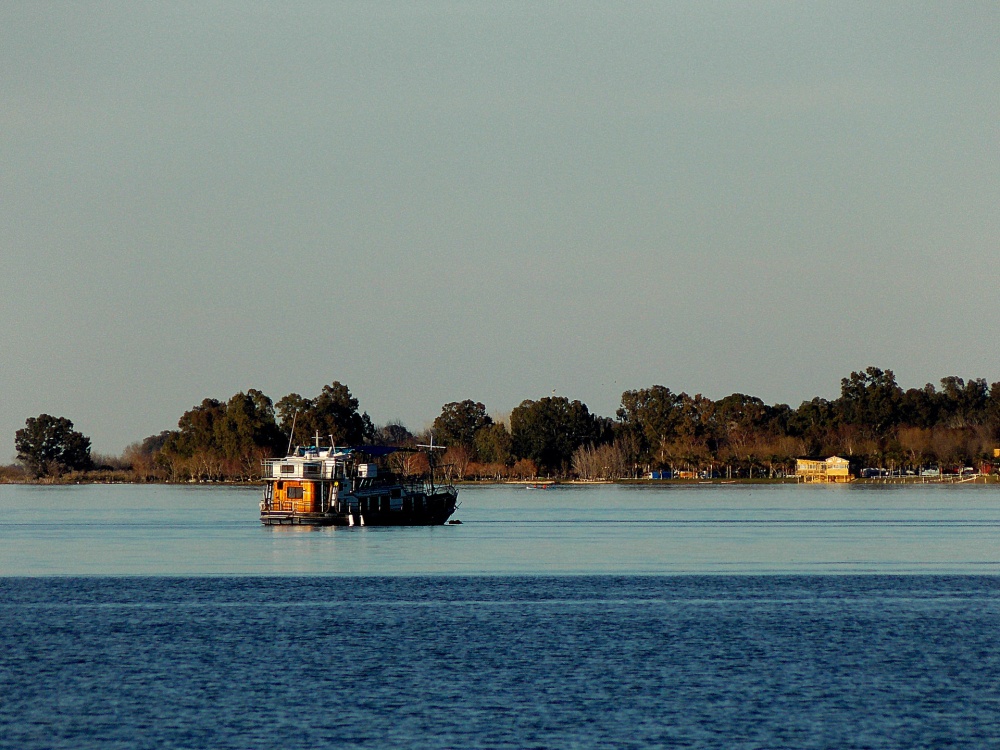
{"x": 316, "y": 486}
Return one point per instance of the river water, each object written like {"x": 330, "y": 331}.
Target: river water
{"x": 605, "y": 616}
{"x": 507, "y": 530}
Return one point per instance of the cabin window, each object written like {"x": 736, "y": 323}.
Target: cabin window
{"x": 288, "y": 468}
{"x": 294, "y": 493}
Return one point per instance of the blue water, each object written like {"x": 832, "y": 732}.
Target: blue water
{"x": 775, "y": 618}
{"x": 446, "y": 662}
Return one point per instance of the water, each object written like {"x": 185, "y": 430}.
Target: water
{"x": 199, "y": 531}
{"x": 139, "y": 617}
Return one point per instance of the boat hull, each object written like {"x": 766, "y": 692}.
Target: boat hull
{"x": 438, "y": 511}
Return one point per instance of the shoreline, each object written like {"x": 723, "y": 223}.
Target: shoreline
{"x": 548, "y": 484}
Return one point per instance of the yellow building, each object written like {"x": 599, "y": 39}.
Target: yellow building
{"x": 832, "y": 469}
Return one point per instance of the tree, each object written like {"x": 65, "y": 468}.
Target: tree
{"x": 920, "y": 407}
{"x": 549, "y": 430}
{"x": 288, "y": 411}
{"x": 248, "y": 429}
{"x": 143, "y": 456}
{"x": 247, "y": 433}
{"x": 332, "y": 414}
{"x": 993, "y": 411}
{"x": 871, "y": 400}
{"x": 608, "y": 461}
{"x": 196, "y": 429}
{"x": 393, "y": 433}
{"x": 964, "y": 404}
{"x": 493, "y": 444}
{"x": 459, "y": 422}
{"x": 652, "y": 415}
{"x": 456, "y": 462}
{"x": 335, "y": 413}
{"x": 50, "y": 445}
{"x": 742, "y": 421}
{"x": 811, "y": 419}
{"x": 215, "y": 440}
{"x": 697, "y": 416}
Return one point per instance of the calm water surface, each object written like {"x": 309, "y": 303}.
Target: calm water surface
{"x": 167, "y": 617}
{"x": 158, "y": 530}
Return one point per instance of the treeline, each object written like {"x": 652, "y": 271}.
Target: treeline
{"x": 874, "y": 421}
{"x": 228, "y": 440}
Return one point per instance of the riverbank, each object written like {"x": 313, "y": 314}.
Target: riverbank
{"x": 535, "y": 484}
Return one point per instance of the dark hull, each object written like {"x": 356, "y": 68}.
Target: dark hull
{"x": 435, "y": 516}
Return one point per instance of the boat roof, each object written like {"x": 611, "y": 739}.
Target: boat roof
{"x": 315, "y": 451}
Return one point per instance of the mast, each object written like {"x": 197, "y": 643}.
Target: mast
{"x": 291, "y": 435}
{"x": 430, "y": 456}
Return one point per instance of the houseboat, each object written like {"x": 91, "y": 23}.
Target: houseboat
{"x": 316, "y": 486}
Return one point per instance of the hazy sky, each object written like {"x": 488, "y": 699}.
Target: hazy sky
{"x": 438, "y": 201}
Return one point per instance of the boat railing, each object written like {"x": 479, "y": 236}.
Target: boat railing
{"x": 413, "y": 487}
{"x": 426, "y": 487}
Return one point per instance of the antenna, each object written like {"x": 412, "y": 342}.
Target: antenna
{"x": 291, "y": 434}
{"x": 432, "y": 446}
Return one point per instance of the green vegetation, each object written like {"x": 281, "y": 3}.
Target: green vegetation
{"x": 549, "y": 430}
{"x": 49, "y": 445}
{"x": 874, "y": 422}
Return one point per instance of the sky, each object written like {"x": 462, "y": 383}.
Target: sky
{"x": 431, "y": 202}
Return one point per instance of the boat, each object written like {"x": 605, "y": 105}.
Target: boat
{"x": 330, "y": 486}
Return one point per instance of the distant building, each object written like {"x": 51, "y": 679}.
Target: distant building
{"x": 832, "y": 469}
